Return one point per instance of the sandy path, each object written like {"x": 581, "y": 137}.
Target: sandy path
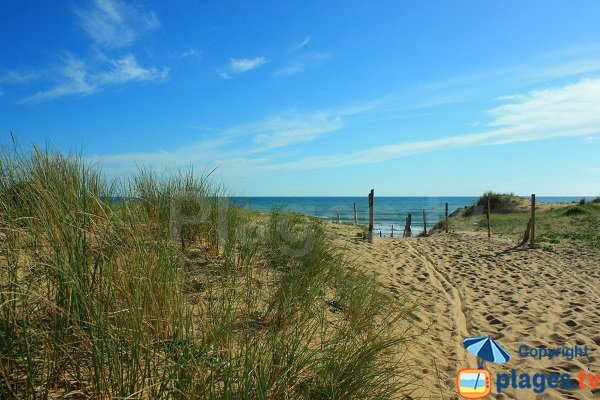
{"x": 465, "y": 285}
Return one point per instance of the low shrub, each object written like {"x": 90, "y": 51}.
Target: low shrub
{"x": 574, "y": 210}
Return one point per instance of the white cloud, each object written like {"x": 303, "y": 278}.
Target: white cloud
{"x": 299, "y": 45}
{"x": 115, "y": 24}
{"x": 550, "y": 69}
{"x": 110, "y": 24}
{"x": 73, "y": 80}
{"x": 239, "y": 65}
{"x": 245, "y": 147}
{"x": 592, "y": 139}
{"x": 302, "y": 63}
{"x": 223, "y": 75}
{"x": 567, "y": 111}
{"x": 190, "y": 53}
{"x": 284, "y": 130}
{"x": 565, "y": 108}
{"x": 592, "y": 170}
{"x": 20, "y": 77}
{"x": 77, "y": 77}
{"x": 127, "y": 69}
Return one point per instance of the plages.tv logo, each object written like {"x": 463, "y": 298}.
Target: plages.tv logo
{"x": 476, "y": 383}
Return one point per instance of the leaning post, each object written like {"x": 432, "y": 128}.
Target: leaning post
{"x": 446, "y": 217}
{"x": 532, "y": 233}
{"x": 371, "y": 201}
{"x": 488, "y": 217}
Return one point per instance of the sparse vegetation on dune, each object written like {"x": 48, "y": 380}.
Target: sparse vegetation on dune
{"x": 501, "y": 203}
{"x": 575, "y": 224}
{"x": 98, "y": 300}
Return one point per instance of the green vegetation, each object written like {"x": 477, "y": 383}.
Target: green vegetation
{"x": 495, "y": 198}
{"x": 577, "y": 224}
{"x": 99, "y": 300}
{"x": 499, "y": 203}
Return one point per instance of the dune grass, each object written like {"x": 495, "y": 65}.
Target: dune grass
{"x": 576, "y": 224}
{"x": 176, "y": 293}
{"x": 503, "y": 203}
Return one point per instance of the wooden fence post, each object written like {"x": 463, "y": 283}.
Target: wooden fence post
{"x": 488, "y": 217}
{"x": 392, "y": 230}
{"x": 424, "y": 223}
{"x": 371, "y": 203}
{"x": 355, "y": 219}
{"x": 407, "y": 232}
{"x": 338, "y": 217}
{"x": 532, "y": 233}
{"x": 446, "y": 217}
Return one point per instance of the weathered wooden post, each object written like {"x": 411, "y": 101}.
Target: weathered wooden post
{"x": 392, "y": 230}
{"x": 355, "y": 218}
{"x": 532, "y": 233}
{"x": 424, "y": 223}
{"x": 371, "y": 202}
{"x": 338, "y": 217}
{"x": 446, "y": 217}
{"x": 407, "y": 231}
{"x": 380, "y": 234}
{"x": 488, "y": 217}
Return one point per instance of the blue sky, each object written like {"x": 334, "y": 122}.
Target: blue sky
{"x": 315, "y": 98}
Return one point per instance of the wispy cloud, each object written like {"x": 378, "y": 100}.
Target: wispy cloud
{"x": 239, "y": 65}
{"x": 563, "y": 111}
{"x": 222, "y": 74}
{"x": 19, "y": 77}
{"x": 592, "y": 139}
{"x": 287, "y": 129}
{"x": 301, "y": 63}
{"x": 551, "y": 69}
{"x": 560, "y": 112}
{"x": 76, "y": 77}
{"x": 250, "y": 145}
{"x": 591, "y": 170}
{"x": 190, "y": 53}
{"x": 115, "y": 24}
{"x": 127, "y": 69}
{"x": 299, "y": 45}
{"x": 110, "y": 24}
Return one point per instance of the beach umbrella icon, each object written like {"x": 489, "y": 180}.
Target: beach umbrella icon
{"x": 485, "y": 348}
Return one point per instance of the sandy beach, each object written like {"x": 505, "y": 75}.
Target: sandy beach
{"x": 463, "y": 285}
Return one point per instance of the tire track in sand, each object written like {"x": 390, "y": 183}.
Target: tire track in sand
{"x": 452, "y": 293}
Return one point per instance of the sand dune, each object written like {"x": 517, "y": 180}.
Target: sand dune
{"x": 466, "y": 285}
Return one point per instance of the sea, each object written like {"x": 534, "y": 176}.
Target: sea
{"x": 388, "y": 211}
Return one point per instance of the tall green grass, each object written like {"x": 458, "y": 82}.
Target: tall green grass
{"x": 175, "y": 293}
